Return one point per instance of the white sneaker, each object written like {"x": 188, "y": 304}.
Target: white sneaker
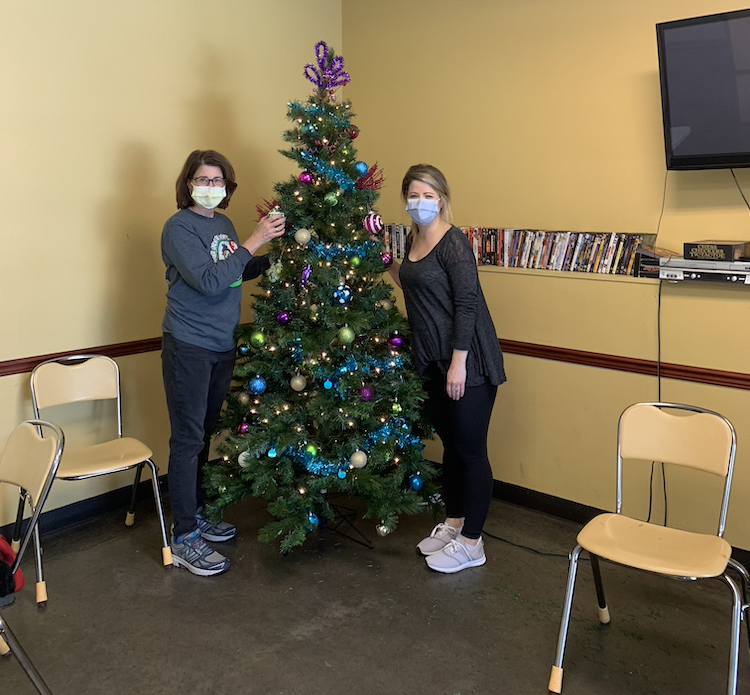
{"x": 456, "y": 556}
{"x": 440, "y": 536}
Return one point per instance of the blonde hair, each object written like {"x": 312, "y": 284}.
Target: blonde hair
{"x": 433, "y": 177}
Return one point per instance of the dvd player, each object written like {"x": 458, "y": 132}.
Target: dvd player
{"x": 677, "y": 268}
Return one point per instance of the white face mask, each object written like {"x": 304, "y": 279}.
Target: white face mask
{"x": 208, "y": 197}
{"x": 422, "y": 210}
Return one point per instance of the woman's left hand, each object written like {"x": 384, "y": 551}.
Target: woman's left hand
{"x": 455, "y": 380}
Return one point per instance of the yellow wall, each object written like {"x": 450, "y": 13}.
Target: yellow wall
{"x": 547, "y": 115}
{"x": 101, "y": 106}
{"x": 542, "y": 114}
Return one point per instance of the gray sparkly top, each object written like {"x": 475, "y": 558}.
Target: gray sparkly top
{"x": 447, "y": 310}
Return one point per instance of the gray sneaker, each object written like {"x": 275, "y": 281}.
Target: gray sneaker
{"x": 457, "y": 556}
{"x": 215, "y": 532}
{"x": 195, "y": 555}
{"x": 440, "y": 536}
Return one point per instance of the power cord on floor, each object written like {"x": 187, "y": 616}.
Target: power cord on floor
{"x": 544, "y": 553}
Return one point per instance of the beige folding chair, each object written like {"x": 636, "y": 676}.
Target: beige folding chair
{"x": 30, "y": 462}
{"x": 91, "y": 378}
{"x": 682, "y": 435}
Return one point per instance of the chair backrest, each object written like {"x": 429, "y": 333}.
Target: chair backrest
{"x": 30, "y": 461}
{"x": 675, "y": 433}
{"x": 74, "y": 379}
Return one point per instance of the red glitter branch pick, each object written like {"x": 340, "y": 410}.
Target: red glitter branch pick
{"x": 264, "y": 207}
{"x": 372, "y": 179}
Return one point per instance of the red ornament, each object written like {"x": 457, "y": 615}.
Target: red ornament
{"x": 353, "y": 132}
{"x": 387, "y": 257}
{"x": 372, "y": 179}
{"x": 373, "y": 223}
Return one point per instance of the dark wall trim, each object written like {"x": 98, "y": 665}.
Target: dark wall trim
{"x": 135, "y": 347}
{"x": 620, "y": 363}
{"x": 669, "y": 370}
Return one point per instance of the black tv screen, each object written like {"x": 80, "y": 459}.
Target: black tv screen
{"x": 704, "y": 69}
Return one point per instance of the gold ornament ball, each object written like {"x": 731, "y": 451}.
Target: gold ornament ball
{"x": 302, "y": 236}
{"x": 244, "y": 459}
{"x": 358, "y": 459}
{"x": 243, "y": 398}
{"x": 382, "y": 530}
{"x": 298, "y": 382}
{"x": 387, "y": 304}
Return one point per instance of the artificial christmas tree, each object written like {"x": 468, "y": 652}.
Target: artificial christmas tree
{"x": 325, "y": 398}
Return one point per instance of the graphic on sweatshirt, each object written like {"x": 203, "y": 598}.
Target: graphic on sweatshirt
{"x": 222, "y": 247}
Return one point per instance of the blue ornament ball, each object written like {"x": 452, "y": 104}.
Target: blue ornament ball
{"x": 243, "y": 349}
{"x": 343, "y": 294}
{"x": 256, "y": 385}
{"x": 328, "y": 384}
{"x": 342, "y": 473}
{"x": 312, "y": 521}
{"x": 416, "y": 482}
{"x": 361, "y": 168}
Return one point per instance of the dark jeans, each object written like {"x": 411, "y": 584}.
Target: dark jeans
{"x": 462, "y": 426}
{"x": 196, "y": 382}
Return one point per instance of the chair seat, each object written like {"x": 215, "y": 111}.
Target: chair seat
{"x": 655, "y": 548}
{"x": 99, "y": 459}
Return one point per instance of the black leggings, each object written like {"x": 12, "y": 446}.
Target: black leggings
{"x": 462, "y": 426}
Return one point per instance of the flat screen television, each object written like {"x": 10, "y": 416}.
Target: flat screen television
{"x": 704, "y": 70}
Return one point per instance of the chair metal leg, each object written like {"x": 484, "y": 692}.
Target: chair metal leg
{"x": 602, "y": 611}
{"x": 130, "y": 516}
{"x": 745, "y": 577}
{"x": 734, "y": 644}
{"x": 15, "y": 543}
{"x": 166, "y": 550}
{"x": 555, "y": 679}
{"x": 41, "y": 585}
{"x": 23, "y": 659}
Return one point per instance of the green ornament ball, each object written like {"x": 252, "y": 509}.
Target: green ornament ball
{"x": 354, "y": 261}
{"x": 331, "y": 199}
{"x": 346, "y": 335}
{"x": 311, "y": 449}
{"x": 396, "y": 408}
{"x": 257, "y": 339}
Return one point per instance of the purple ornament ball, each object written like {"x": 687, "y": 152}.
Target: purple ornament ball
{"x": 396, "y": 341}
{"x": 366, "y": 392}
{"x": 243, "y": 427}
{"x": 387, "y": 257}
{"x": 283, "y": 317}
{"x": 305, "y": 177}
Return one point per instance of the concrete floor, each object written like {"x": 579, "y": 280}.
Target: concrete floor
{"x": 336, "y": 618}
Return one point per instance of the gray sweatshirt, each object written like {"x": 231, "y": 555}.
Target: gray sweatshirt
{"x": 447, "y": 311}
{"x": 205, "y": 269}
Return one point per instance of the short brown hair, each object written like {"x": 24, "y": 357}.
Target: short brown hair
{"x": 432, "y": 176}
{"x": 195, "y": 159}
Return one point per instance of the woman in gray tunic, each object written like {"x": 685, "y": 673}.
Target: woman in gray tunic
{"x": 456, "y": 351}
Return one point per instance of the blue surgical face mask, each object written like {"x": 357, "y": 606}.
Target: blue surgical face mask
{"x": 423, "y": 210}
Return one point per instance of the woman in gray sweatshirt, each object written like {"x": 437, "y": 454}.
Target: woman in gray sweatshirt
{"x": 205, "y": 266}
